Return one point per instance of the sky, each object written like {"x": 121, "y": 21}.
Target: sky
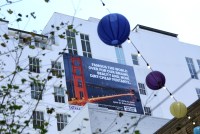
{"x": 181, "y": 17}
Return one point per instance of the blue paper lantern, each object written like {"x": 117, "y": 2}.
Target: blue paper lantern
{"x": 155, "y": 80}
{"x": 113, "y": 29}
{"x": 196, "y": 130}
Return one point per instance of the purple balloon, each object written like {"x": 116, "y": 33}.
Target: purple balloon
{"x": 155, "y": 80}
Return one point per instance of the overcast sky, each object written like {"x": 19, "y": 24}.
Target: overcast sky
{"x": 177, "y": 16}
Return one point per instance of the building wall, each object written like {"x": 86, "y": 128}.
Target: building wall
{"x": 81, "y": 123}
{"x": 102, "y": 120}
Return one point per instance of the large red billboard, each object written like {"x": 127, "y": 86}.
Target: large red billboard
{"x": 107, "y": 84}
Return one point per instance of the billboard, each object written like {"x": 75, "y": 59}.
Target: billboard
{"x": 110, "y": 85}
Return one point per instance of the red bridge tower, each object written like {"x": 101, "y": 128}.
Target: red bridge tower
{"x": 79, "y": 80}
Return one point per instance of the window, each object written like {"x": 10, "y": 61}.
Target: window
{"x": 198, "y": 92}
{"x": 36, "y": 90}
{"x": 37, "y": 43}
{"x": 135, "y": 59}
{"x": 142, "y": 88}
{"x": 147, "y": 111}
{"x": 61, "y": 121}
{"x": 198, "y": 62}
{"x": 120, "y": 55}
{"x": 86, "y": 45}
{"x": 23, "y": 40}
{"x": 38, "y": 119}
{"x": 40, "y": 44}
{"x": 59, "y": 94}
{"x": 71, "y": 42}
{"x": 191, "y": 68}
{"x": 56, "y": 68}
{"x": 34, "y": 65}
{"x": 52, "y": 39}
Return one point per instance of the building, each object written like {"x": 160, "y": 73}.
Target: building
{"x": 42, "y": 59}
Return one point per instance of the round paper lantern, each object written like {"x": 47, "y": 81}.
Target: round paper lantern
{"x": 196, "y": 130}
{"x": 155, "y": 80}
{"x": 113, "y": 29}
{"x": 178, "y": 109}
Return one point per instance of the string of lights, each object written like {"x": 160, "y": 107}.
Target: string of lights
{"x": 149, "y": 67}
{"x": 147, "y": 63}
{"x": 171, "y": 94}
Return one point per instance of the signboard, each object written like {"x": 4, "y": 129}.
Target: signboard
{"x": 108, "y": 84}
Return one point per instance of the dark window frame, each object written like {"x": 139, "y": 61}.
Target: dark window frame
{"x": 36, "y": 91}
{"x": 56, "y": 68}
{"x": 142, "y": 88}
{"x": 198, "y": 92}
{"x": 191, "y": 67}
{"x": 147, "y": 111}
{"x": 86, "y": 48}
{"x": 134, "y": 58}
{"x": 59, "y": 94}
{"x": 34, "y": 64}
{"x": 71, "y": 42}
{"x": 61, "y": 121}
{"x": 38, "y": 119}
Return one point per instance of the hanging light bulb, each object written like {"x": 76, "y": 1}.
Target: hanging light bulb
{"x": 193, "y": 122}
{"x": 103, "y": 3}
{"x": 189, "y": 117}
{"x": 139, "y": 55}
{"x": 171, "y": 95}
{"x": 128, "y": 40}
{"x": 148, "y": 66}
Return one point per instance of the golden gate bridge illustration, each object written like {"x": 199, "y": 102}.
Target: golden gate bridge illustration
{"x": 80, "y": 93}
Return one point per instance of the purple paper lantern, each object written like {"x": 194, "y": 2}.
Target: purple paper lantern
{"x": 196, "y": 130}
{"x": 155, "y": 80}
{"x": 113, "y": 29}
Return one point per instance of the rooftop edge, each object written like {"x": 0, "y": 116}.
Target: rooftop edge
{"x": 156, "y": 30}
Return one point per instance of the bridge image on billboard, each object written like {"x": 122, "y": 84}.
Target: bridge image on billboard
{"x": 110, "y": 85}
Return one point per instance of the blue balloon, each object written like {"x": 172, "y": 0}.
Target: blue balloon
{"x": 196, "y": 130}
{"x": 113, "y": 29}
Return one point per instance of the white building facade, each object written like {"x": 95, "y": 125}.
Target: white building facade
{"x": 178, "y": 61}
